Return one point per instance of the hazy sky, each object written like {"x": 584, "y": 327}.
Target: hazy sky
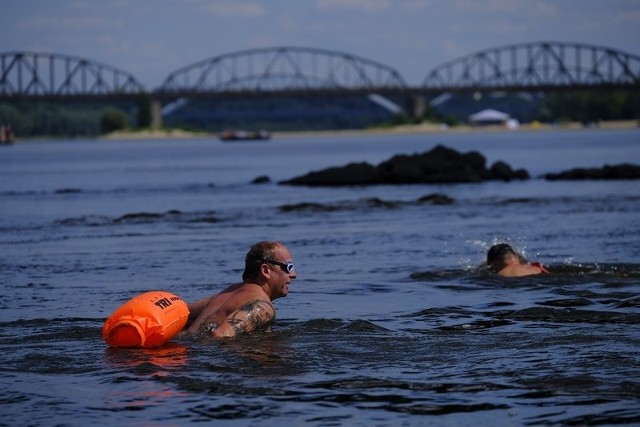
{"x": 152, "y": 38}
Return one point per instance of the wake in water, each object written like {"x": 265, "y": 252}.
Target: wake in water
{"x": 573, "y": 272}
{"x": 580, "y": 294}
{"x": 330, "y": 370}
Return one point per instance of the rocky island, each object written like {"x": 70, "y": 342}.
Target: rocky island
{"x": 439, "y": 165}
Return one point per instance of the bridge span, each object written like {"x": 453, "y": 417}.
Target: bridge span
{"x": 307, "y": 72}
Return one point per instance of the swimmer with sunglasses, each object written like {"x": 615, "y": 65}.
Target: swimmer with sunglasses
{"x": 246, "y": 306}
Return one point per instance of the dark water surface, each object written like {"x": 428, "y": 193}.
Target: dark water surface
{"x": 391, "y": 321}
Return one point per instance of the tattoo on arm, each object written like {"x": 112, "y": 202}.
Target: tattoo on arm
{"x": 252, "y": 316}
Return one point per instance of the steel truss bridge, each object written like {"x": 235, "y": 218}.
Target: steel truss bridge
{"x": 295, "y": 71}
{"x": 29, "y": 75}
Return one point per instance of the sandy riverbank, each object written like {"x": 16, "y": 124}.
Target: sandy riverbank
{"x": 425, "y": 128}
{"x": 155, "y": 134}
{"x": 396, "y": 130}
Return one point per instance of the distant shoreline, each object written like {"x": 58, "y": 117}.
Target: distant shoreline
{"x": 428, "y": 128}
{"x": 422, "y": 128}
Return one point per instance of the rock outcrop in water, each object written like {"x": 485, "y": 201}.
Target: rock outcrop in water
{"x": 622, "y": 171}
{"x": 440, "y": 165}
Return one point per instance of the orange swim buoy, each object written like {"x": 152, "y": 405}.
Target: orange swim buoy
{"x": 148, "y": 320}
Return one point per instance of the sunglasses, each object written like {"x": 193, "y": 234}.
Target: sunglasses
{"x": 287, "y": 267}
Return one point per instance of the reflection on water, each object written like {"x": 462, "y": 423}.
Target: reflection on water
{"x": 170, "y": 355}
{"x": 393, "y": 320}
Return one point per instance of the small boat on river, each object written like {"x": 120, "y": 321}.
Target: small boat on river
{"x": 243, "y": 135}
{"x": 6, "y": 135}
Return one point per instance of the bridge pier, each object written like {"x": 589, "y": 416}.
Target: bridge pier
{"x": 416, "y": 105}
{"x": 156, "y": 114}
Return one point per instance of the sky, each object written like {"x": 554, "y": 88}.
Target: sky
{"x": 152, "y": 38}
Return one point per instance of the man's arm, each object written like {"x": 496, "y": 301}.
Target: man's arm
{"x": 254, "y": 315}
{"x": 195, "y": 308}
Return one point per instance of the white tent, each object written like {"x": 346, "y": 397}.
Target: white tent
{"x": 489, "y": 116}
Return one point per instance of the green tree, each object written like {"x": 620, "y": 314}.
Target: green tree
{"x": 112, "y": 120}
{"x": 20, "y": 124}
{"x": 591, "y": 106}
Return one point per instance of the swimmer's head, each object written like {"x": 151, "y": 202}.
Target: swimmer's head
{"x": 498, "y": 253}
{"x": 256, "y": 256}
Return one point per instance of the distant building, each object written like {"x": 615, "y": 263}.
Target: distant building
{"x": 489, "y": 117}
{"x": 493, "y": 117}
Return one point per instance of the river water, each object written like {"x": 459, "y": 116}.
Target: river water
{"x": 392, "y": 320}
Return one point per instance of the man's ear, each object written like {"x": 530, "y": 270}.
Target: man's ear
{"x": 265, "y": 270}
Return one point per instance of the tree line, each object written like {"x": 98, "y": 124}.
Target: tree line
{"x": 590, "y": 106}
{"x": 69, "y": 120}
{"x": 74, "y": 119}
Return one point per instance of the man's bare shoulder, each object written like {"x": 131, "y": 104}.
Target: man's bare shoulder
{"x": 244, "y": 293}
{"x": 519, "y": 270}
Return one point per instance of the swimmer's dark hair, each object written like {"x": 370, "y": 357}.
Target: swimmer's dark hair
{"x": 499, "y": 251}
{"x": 255, "y": 258}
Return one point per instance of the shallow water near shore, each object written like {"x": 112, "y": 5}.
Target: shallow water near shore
{"x": 392, "y": 320}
